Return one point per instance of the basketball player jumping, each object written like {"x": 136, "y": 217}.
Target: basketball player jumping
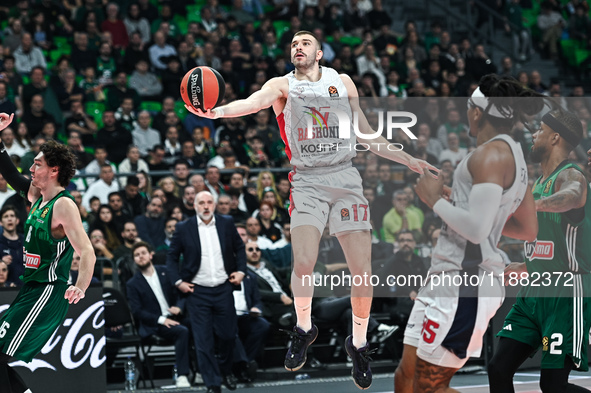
{"x": 326, "y": 189}
{"x": 53, "y": 231}
{"x": 552, "y": 310}
{"x": 489, "y": 196}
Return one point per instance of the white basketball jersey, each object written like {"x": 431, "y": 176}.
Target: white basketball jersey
{"x": 314, "y": 103}
{"x": 453, "y": 252}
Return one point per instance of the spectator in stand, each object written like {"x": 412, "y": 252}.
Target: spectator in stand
{"x": 184, "y": 56}
{"x": 454, "y": 125}
{"x": 97, "y": 238}
{"x": 158, "y": 50}
{"x": 75, "y": 268}
{"x": 100, "y": 159}
{"x": 522, "y": 46}
{"x": 188, "y": 154}
{"x": 102, "y": 187}
{"x": 145, "y": 83}
{"x": 535, "y": 83}
{"x": 106, "y": 65}
{"x": 198, "y": 182}
{"x": 159, "y": 119}
{"x": 13, "y": 35}
{"x": 148, "y": 10}
{"x": 83, "y": 158}
{"x": 454, "y": 152}
{"x": 132, "y": 163}
{"x": 246, "y": 202}
{"x": 123, "y": 255}
{"x": 551, "y": 24}
{"x": 269, "y": 226}
{"x": 253, "y": 231}
{"x": 223, "y": 205}
{"x": 480, "y": 64}
{"x": 156, "y": 162}
{"x": 27, "y": 56}
{"x": 181, "y": 174}
{"x": 37, "y": 116}
{"x": 157, "y": 306}
{"x": 188, "y": 205}
{"x": 126, "y": 115}
{"x": 172, "y": 120}
{"x": 145, "y": 137}
{"x": 171, "y": 76}
{"x": 4, "y": 283}
{"x": 82, "y": 123}
{"x": 6, "y": 105}
{"x": 119, "y": 91}
{"x": 145, "y": 185}
{"x": 11, "y": 244}
{"x": 113, "y": 137}
{"x": 135, "y": 51}
{"x": 273, "y": 286}
{"x": 120, "y": 216}
{"x": 172, "y": 145}
{"x": 281, "y": 253}
{"x": 212, "y": 182}
{"x": 400, "y": 217}
{"x": 134, "y": 204}
{"x": 12, "y": 148}
{"x": 134, "y": 22}
{"x": 150, "y": 226}
{"x": 105, "y": 222}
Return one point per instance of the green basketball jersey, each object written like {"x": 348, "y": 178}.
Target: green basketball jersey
{"x": 46, "y": 259}
{"x": 562, "y": 245}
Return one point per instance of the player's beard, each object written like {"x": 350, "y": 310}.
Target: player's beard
{"x": 537, "y": 154}
{"x": 305, "y": 63}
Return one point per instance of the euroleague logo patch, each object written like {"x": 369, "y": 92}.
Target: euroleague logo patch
{"x": 333, "y": 92}
{"x": 345, "y": 215}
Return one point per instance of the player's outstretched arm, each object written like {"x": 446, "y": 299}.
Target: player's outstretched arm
{"x": 374, "y": 144}
{"x": 570, "y": 192}
{"x": 523, "y": 224}
{"x": 66, "y": 214}
{"x": 17, "y": 181}
{"x": 271, "y": 91}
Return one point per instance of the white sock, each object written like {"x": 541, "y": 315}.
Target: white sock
{"x": 359, "y": 331}
{"x": 303, "y": 291}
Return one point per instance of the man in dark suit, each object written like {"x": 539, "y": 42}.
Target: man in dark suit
{"x": 157, "y": 306}
{"x": 252, "y": 327}
{"x": 214, "y": 262}
{"x": 277, "y": 304}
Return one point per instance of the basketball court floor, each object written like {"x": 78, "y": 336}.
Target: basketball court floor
{"x": 525, "y": 382}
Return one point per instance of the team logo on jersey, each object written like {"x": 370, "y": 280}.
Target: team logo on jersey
{"x": 545, "y": 343}
{"x": 539, "y": 249}
{"x": 32, "y": 261}
{"x": 45, "y": 211}
{"x": 345, "y": 215}
{"x": 333, "y": 92}
{"x": 548, "y": 186}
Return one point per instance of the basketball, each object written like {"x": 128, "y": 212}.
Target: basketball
{"x": 203, "y": 88}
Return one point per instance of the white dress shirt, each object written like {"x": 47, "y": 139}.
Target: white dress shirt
{"x": 212, "y": 272}
{"x": 268, "y": 276}
{"x": 154, "y": 283}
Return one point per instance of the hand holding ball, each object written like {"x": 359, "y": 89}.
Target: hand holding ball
{"x": 202, "y": 89}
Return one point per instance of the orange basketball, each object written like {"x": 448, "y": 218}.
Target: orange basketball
{"x": 203, "y": 88}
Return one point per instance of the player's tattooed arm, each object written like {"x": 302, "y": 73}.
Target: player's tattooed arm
{"x": 570, "y": 193}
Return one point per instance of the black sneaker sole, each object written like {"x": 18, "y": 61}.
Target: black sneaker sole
{"x": 353, "y": 372}
{"x": 305, "y": 357}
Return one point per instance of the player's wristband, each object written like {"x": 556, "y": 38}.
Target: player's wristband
{"x": 219, "y": 112}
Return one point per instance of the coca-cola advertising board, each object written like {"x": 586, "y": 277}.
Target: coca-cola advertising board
{"x": 73, "y": 360}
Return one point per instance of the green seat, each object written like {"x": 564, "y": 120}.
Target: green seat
{"x": 60, "y": 41}
{"x": 351, "y": 40}
{"x": 569, "y": 48}
{"x": 183, "y": 25}
{"x": 581, "y": 55}
{"x": 280, "y": 27}
{"x": 96, "y": 109}
{"x": 181, "y": 111}
{"x": 55, "y": 54}
{"x": 151, "y": 106}
{"x": 194, "y": 13}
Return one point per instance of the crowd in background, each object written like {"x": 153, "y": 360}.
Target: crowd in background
{"x": 104, "y": 79}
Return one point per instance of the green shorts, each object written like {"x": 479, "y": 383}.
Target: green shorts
{"x": 560, "y": 326}
{"x": 32, "y": 318}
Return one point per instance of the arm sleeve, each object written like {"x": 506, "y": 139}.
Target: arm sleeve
{"x": 11, "y": 174}
{"x": 475, "y": 223}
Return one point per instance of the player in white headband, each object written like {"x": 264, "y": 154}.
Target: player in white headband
{"x": 490, "y": 196}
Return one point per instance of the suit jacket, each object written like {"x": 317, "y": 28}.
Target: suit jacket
{"x": 266, "y": 290}
{"x": 251, "y": 291}
{"x": 186, "y": 241}
{"x": 143, "y": 303}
